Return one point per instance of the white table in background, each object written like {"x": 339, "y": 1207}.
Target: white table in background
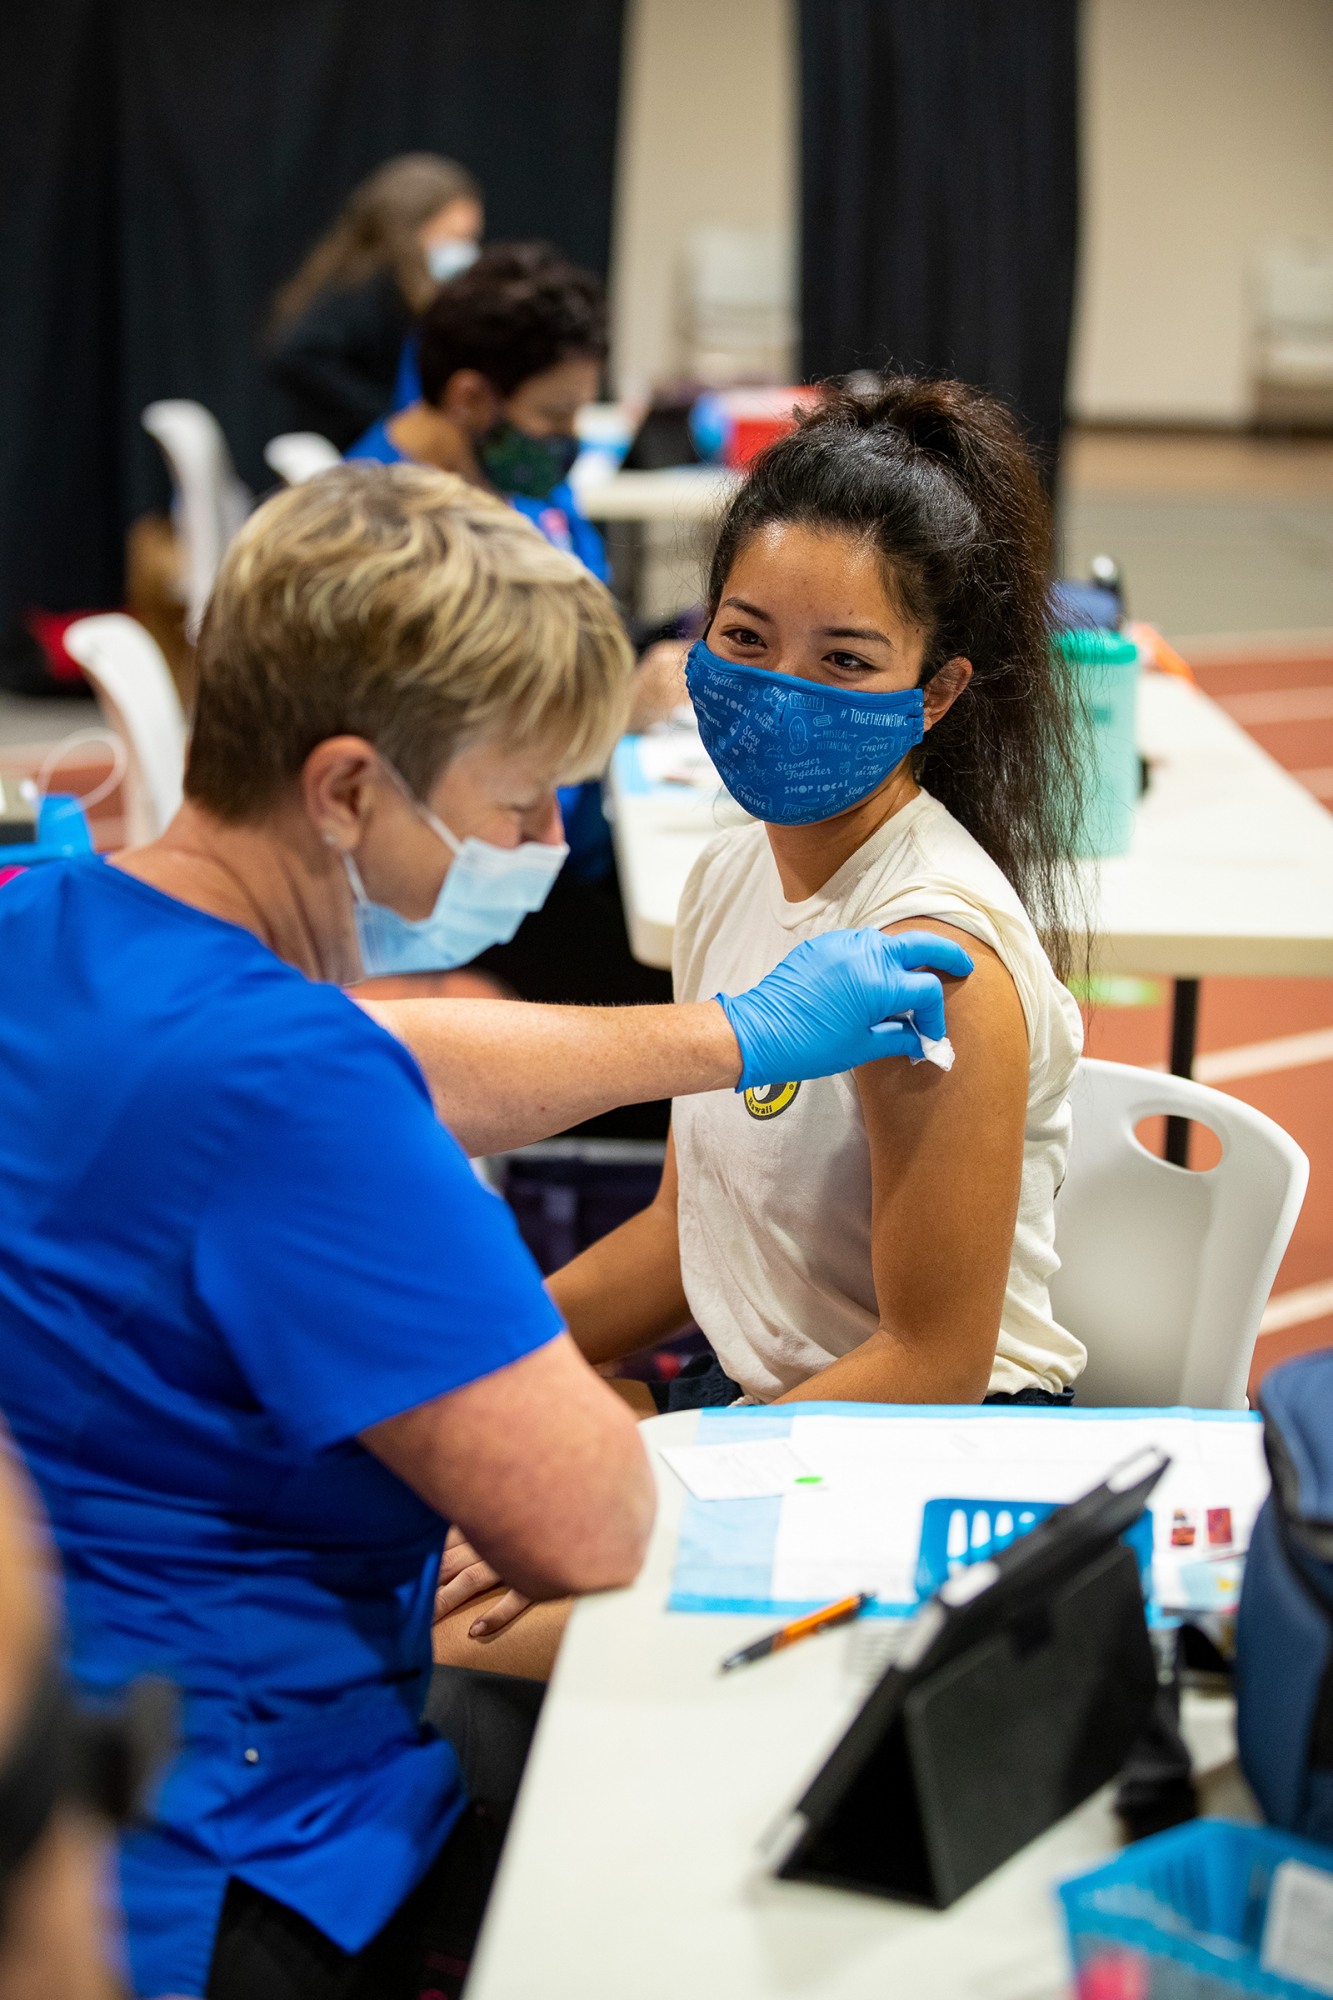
{"x": 1231, "y": 868}
{"x": 683, "y": 493}
{"x": 683, "y": 497}
{"x": 631, "y": 1870}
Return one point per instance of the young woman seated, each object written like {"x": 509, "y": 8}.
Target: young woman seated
{"x": 876, "y": 686}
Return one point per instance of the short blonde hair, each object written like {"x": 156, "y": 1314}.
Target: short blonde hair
{"x": 405, "y": 606}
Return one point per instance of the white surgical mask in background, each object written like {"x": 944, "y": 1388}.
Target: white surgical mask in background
{"x": 445, "y": 260}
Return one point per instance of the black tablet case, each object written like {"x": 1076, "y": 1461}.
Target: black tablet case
{"x": 951, "y": 1767}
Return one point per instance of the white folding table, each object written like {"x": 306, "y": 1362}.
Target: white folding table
{"x": 681, "y": 496}
{"x": 1230, "y": 871}
{"x": 632, "y": 1869}
{"x": 683, "y": 493}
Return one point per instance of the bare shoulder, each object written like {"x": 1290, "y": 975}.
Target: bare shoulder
{"x": 986, "y": 1027}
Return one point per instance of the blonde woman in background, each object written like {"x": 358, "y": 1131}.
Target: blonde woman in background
{"x": 339, "y": 324}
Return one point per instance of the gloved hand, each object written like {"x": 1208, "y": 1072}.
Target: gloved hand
{"x": 829, "y": 1005}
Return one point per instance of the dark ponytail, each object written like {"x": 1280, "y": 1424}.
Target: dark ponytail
{"x": 938, "y": 477}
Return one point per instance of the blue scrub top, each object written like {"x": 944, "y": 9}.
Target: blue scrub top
{"x": 407, "y": 383}
{"x": 557, "y": 517}
{"x": 232, "y": 1235}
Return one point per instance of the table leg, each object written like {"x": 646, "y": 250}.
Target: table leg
{"x": 1184, "y": 1035}
{"x": 626, "y": 544}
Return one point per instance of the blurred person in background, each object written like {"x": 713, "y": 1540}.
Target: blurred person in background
{"x": 510, "y": 351}
{"x": 52, "y": 1855}
{"x": 339, "y": 326}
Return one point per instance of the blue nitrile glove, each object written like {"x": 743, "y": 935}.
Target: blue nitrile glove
{"x": 829, "y": 1005}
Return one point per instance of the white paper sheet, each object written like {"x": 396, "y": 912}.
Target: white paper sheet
{"x": 1298, "y": 1930}
{"x": 677, "y": 757}
{"x": 757, "y": 1471}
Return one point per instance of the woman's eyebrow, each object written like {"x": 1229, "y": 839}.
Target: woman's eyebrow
{"x": 750, "y": 610}
{"x": 857, "y": 632}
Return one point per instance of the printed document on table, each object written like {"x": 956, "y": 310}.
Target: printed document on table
{"x": 860, "y": 1527}
{"x": 853, "y": 1520}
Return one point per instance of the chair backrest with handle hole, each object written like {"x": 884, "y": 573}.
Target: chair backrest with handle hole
{"x": 210, "y": 501}
{"x": 1165, "y": 1272}
{"x": 138, "y": 697}
{"x": 300, "y": 455}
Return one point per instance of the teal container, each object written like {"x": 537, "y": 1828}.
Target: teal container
{"x": 1105, "y": 667}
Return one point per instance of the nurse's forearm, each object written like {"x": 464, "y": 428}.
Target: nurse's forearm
{"x": 504, "y": 1073}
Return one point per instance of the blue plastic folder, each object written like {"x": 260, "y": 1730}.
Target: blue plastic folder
{"x": 726, "y": 1549}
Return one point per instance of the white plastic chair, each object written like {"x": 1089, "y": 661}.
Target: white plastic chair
{"x": 1165, "y": 1271}
{"x": 210, "y": 501}
{"x": 138, "y": 697}
{"x": 300, "y": 455}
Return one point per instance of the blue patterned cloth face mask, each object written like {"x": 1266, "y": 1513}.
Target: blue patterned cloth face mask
{"x": 793, "y": 751}
{"x": 482, "y": 901}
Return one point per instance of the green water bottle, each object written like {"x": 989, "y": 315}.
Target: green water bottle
{"x": 1105, "y": 667}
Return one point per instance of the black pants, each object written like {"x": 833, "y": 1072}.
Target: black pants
{"x": 703, "y": 1384}
{"x": 264, "y": 1951}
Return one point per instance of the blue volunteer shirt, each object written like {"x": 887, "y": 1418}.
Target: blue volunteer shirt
{"x": 232, "y": 1236}
{"x": 557, "y": 517}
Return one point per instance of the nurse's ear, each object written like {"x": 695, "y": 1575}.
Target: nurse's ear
{"x": 339, "y": 783}
{"x": 943, "y": 689}
{"x": 471, "y": 402}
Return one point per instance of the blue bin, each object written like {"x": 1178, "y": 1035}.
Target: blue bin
{"x": 62, "y": 833}
{"x": 1181, "y": 1916}
{"x": 1105, "y": 668}
{"x": 957, "y": 1533}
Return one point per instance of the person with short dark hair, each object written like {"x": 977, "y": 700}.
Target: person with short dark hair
{"x": 508, "y": 353}
{"x": 340, "y": 323}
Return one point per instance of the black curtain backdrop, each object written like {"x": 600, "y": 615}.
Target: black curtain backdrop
{"x": 940, "y": 192}
{"x": 164, "y": 164}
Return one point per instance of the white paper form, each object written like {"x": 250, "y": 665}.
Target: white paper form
{"x": 677, "y": 757}
{"x": 757, "y": 1471}
{"x": 860, "y": 1528}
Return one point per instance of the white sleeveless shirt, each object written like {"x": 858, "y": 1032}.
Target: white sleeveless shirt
{"x": 774, "y": 1204}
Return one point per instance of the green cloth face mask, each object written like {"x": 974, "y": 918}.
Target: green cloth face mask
{"x": 518, "y": 463}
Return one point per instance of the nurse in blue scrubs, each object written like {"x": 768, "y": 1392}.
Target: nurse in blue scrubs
{"x": 507, "y": 354}
{"x": 263, "y": 1333}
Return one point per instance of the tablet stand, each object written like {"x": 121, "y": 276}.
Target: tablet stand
{"x": 952, "y": 1766}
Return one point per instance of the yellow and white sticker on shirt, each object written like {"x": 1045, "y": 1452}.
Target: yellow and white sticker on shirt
{"x": 770, "y": 1099}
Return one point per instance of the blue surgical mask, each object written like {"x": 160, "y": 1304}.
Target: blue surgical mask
{"x": 482, "y": 901}
{"x": 445, "y": 260}
{"x": 794, "y": 751}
